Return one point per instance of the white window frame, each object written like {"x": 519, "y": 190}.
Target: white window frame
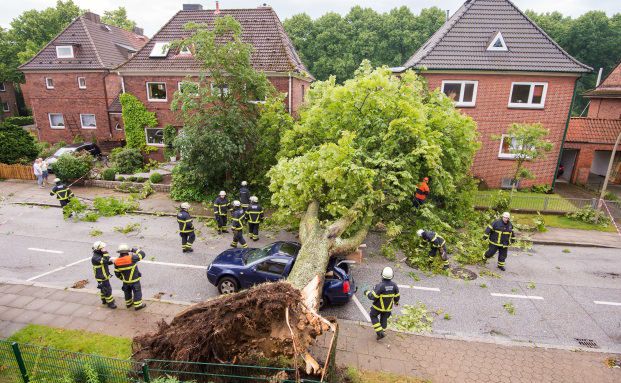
{"x": 503, "y": 48}
{"x": 507, "y": 156}
{"x": 2, "y": 87}
{"x": 58, "y": 55}
{"x": 156, "y": 99}
{"x": 529, "y": 104}
{"x": 8, "y": 107}
{"x": 460, "y": 101}
{"x": 185, "y": 50}
{"x": 80, "y": 85}
{"x": 160, "y": 49}
{"x": 49, "y": 83}
{"x": 118, "y": 127}
{"x": 82, "y": 121}
{"x": 222, "y": 91}
{"x": 49, "y": 116}
{"x": 146, "y": 137}
{"x": 188, "y": 82}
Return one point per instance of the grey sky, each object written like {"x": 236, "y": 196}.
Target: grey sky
{"x": 152, "y": 14}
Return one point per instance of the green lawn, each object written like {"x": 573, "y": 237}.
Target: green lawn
{"x": 561, "y": 222}
{"x": 526, "y": 200}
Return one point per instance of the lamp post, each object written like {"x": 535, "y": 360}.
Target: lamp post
{"x": 612, "y": 159}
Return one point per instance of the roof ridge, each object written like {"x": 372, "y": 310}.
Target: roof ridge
{"x": 49, "y": 43}
{"x": 90, "y": 38}
{"x": 617, "y": 66}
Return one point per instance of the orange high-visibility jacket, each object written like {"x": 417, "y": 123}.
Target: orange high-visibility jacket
{"x": 422, "y": 191}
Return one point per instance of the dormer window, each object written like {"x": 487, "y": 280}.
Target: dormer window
{"x": 498, "y": 43}
{"x": 185, "y": 50}
{"x": 160, "y": 49}
{"x": 64, "y": 52}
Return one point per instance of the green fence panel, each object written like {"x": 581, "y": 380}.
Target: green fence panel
{"x": 9, "y": 369}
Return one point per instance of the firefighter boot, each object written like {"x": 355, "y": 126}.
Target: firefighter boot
{"x": 381, "y": 335}
{"x": 141, "y": 306}
{"x": 112, "y": 305}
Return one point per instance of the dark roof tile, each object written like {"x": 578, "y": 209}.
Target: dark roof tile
{"x": 610, "y": 87}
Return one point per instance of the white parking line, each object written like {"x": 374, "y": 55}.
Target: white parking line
{"x": 362, "y": 310}
{"x": 175, "y": 265}
{"x": 419, "y": 288}
{"x": 607, "y": 303}
{"x": 58, "y": 269}
{"x": 45, "y": 250}
{"x": 517, "y": 296}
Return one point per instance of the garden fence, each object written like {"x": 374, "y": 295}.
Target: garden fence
{"x": 16, "y": 171}
{"x": 543, "y": 204}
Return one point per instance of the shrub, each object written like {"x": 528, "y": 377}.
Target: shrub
{"x": 46, "y": 149}
{"x": 170, "y": 133}
{"x": 111, "y": 206}
{"x": 131, "y": 179}
{"x": 17, "y": 145}
{"x": 127, "y": 160}
{"x": 135, "y": 118}
{"x": 543, "y": 189}
{"x": 589, "y": 215}
{"x": 151, "y": 165}
{"x": 73, "y": 166}
{"x": 500, "y": 202}
{"x": 610, "y": 196}
{"x": 19, "y": 120}
{"x": 120, "y": 178}
{"x": 109, "y": 174}
{"x": 140, "y": 179}
{"x": 156, "y": 178}
{"x": 187, "y": 185}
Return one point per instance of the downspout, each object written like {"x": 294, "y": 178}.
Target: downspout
{"x": 106, "y": 98}
{"x": 560, "y": 153}
{"x": 290, "y": 96}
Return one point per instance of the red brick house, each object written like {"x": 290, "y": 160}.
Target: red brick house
{"x": 590, "y": 139}
{"x": 501, "y": 68}
{"x": 70, "y": 83}
{"x": 155, "y": 72}
{"x": 8, "y": 101}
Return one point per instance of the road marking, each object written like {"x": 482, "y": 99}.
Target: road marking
{"x": 419, "y": 288}
{"x": 45, "y": 250}
{"x": 607, "y": 303}
{"x": 176, "y": 265}
{"x": 517, "y": 296}
{"x": 58, "y": 269}
{"x": 365, "y": 314}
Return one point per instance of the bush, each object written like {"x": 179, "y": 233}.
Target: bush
{"x": 187, "y": 185}
{"x": 109, "y": 174}
{"x": 156, "y": 178}
{"x": 110, "y": 206}
{"x": 132, "y": 178}
{"x": 589, "y": 215}
{"x": 120, "y": 178}
{"x": 140, "y": 179}
{"x": 542, "y": 189}
{"x": 500, "y": 202}
{"x": 170, "y": 133}
{"x": 73, "y": 166}
{"x": 127, "y": 160}
{"x": 46, "y": 149}
{"x": 16, "y": 145}
{"x": 19, "y": 120}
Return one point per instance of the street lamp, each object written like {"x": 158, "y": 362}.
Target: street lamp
{"x": 612, "y": 159}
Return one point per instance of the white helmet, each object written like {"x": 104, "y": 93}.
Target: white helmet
{"x": 185, "y": 206}
{"x": 244, "y": 183}
{"x": 222, "y": 193}
{"x": 506, "y": 215}
{"x": 99, "y": 245}
{"x": 57, "y": 180}
{"x": 387, "y": 273}
{"x": 254, "y": 199}
{"x": 123, "y": 248}
{"x": 236, "y": 203}
{"x": 419, "y": 232}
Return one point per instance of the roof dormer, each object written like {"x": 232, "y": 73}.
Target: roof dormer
{"x": 497, "y": 43}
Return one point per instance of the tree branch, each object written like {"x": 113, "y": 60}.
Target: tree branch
{"x": 351, "y": 244}
{"x": 340, "y": 225}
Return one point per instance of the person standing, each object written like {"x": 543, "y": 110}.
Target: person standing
{"x": 101, "y": 261}
{"x": 62, "y": 193}
{"x": 244, "y": 195}
{"x": 254, "y": 214}
{"x": 186, "y": 228}
{"x": 237, "y": 225}
{"x": 500, "y": 236}
{"x": 126, "y": 269}
{"x": 437, "y": 243}
{"x": 221, "y": 207}
{"x": 44, "y": 171}
{"x": 384, "y": 295}
{"x": 422, "y": 192}
{"x": 38, "y": 172}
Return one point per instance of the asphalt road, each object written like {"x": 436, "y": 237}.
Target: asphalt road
{"x": 558, "y": 296}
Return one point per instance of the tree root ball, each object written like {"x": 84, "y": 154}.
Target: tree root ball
{"x": 235, "y": 328}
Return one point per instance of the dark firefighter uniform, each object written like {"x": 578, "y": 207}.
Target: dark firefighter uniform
{"x": 101, "y": 261}
{"x": 384, "y": 295}
{"x": 237, "y": 225}
{"x": 254, "y": 214}
{"x": 126, "y": 269}
{"x": 62, "y": 193}
{"x": 437, "y": 243}
{"x": 499, "y": 235}
{"x": 186, "y": 230}
{"x": 221, "y": 207}
{"x": 244, "y": 197}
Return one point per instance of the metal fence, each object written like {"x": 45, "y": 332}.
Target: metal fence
{"x": 544, "y": 203}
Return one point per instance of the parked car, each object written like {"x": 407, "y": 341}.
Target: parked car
{"x": 236, "y": 269}
{"x": 90, "y": 147}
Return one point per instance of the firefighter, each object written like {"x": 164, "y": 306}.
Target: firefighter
{"x": 383, "y": 296}
{"x": 101, "y": 261}
{"x": 126, "y": 269}
{"x": 500, "y": 236}
{"x": 61, "y": 192}
{"x": 422, "y": 192}
{"x": 186, "y": 228}
{"x": 437, "y": 243}
{"x": 237, "y": 225}
{"x": 221, "y": 207}
{"x": 254, "y": 214}
{"x": 244, "y": 195}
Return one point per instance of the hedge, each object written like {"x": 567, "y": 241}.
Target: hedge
{"x": 19, "y": 120}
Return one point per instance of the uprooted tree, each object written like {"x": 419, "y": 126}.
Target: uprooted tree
{"x": 355, "y": 156}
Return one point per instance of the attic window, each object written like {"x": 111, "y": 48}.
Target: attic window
{"x": 498, "y": 43}
{"x": 64, "y": 52}
{"x": 160, "y": 49}
{"x": 185, "y": 50}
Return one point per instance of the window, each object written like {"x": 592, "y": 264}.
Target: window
{"x": 156, "y": 91}
{"x": 155, "y": 136}
{"x": 160, "y": 49}
{"x": 118, "y": 126}
{"x": 64, "y": 52}
{"x": 303, "y": 93}
{"x": 498, "y": 43}
{"x": 49, "y": 83}
{"x": 88, "y": 121}
{"x": 272, "y": 267}
{"x": 185, "y": 51}
{"x": 508, "y": 146}
{"x": 188, "y": 86}
{"x": 528, "y": 95}
{"x": 222, "y": 90}
{"x": 56, "y": 121}
{"x": 464, "y": 93}
{"x": 290, "y": 249}
{"x": 82, "y": 82}
{"x": 5, "y": 106}
{"x": 2, "y": 87}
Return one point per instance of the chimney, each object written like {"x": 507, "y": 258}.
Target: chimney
{"x": 138, "y": 31}
{"x": 217, "y": 11}
{"x": 92, "y": 17}
{"x": 192, "y": 7}
{"x": 448, "y": 12}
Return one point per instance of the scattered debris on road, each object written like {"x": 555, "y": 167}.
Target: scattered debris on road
{"x": 413, "y": 319}
{"x": 80, "y": 284}
{"x": 159, "y": 295}
{"x": 509, "y": 307}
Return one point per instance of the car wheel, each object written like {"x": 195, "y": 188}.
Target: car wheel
{"x": 227, "y": 285}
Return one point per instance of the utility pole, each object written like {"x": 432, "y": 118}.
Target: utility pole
{"x": 610, "y": 163}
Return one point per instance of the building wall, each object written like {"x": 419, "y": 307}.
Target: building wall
{"x": 607, "y": 108}
{"x": 8, "y": 96}
{"x": 584, "y": 159}
{"x": 494, "y": 117}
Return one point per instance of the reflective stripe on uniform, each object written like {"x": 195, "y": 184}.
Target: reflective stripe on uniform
{"x": 131, "y": 274}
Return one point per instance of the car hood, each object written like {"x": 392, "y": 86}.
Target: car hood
{"x": 230, "y": 257}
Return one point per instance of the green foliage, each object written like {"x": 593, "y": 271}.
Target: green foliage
{"x": 500, "y": 202}
{"x": 118, "y": 18}
{"x": 78, "y": 139}
{"x": 127, "y": 187}
{"x": 91, "y": 216}
{"x": 147, "y": 190}
{"x": 75, "y": 207}
{"x": 111, "y": 206}
{"x": 542, "y": 189}
{"x": 130, "y": 227}
{"x": 46, "y": 149}
{"x": 166, "y": 379}
{"x": 531, "y": 285}
{"x": 71, "y": 166}
{"x": 19, "y": 120}
{"x": 17, "y": 144}
{"x": 186, "y": 185}
{"x": 447, "y": 316}
{"x": 170, "y": 133}
{"x": 135, "y": 118}
{"x": 152, "y": 164}
{"x": 509, "y": 307}
{"x": 120, "y": 178}
{"x": 127, "y": 160}
{"x": 540, "y": 223}
{"x": 109, "y": 174}
{"x": 589, "y": 215}
{"x": 567, "y": 251}
{"x": 95, "y": 233}
{"x": 156, "y": 178}
{"x": 413, "y": 319}
{"x": 610, "y": 196}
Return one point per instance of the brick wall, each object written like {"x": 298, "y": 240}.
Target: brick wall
{"x": 8, "y": 96}
{"x": 584, "y": 159}
{"x": 493, "y": 117}
{"x": 608, "y": 108}
{"x": 163, "y": 188}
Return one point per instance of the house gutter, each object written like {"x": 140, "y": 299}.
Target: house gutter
{"x": 560, "y": 153}
{"x": 289, "y": 95}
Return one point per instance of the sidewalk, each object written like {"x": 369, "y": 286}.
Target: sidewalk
{"x": 574, "y": 237}
{"x": 429, "y": 357}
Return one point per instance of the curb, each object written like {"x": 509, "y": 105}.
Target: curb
{"x": 573, "y": 244}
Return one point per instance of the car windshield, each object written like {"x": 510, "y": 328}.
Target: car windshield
{"x": 256, "y": 254}
{"x": 62, "y": 151}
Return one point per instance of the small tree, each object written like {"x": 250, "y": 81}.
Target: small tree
{"x": 118, "y": 18}
{"x": 135, "y": 118}
{"x": 527, "y": 143}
